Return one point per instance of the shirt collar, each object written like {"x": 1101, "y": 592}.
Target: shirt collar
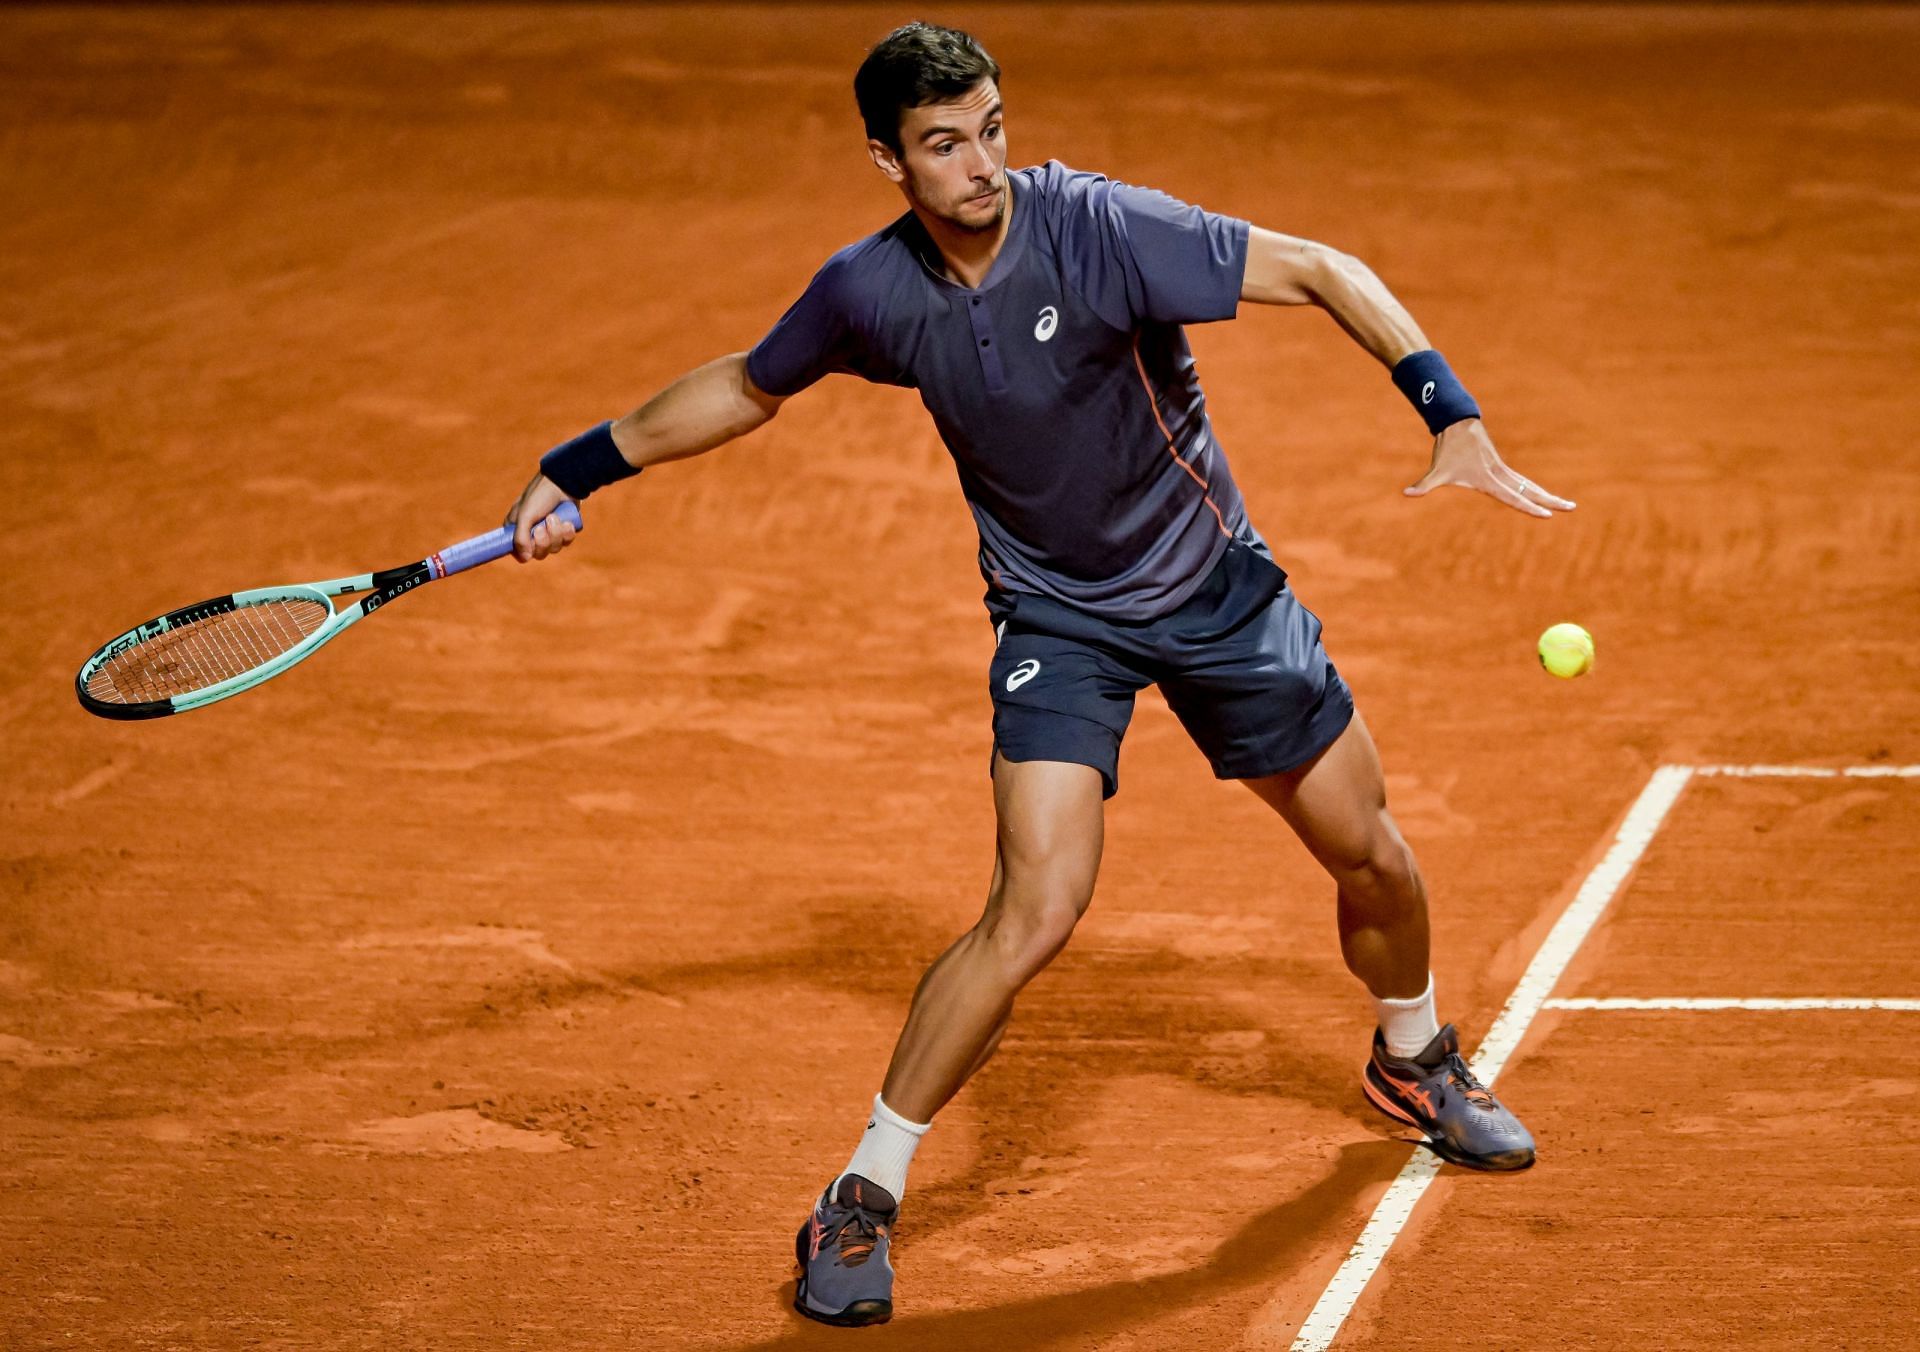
{"x": 1021, "y": 206}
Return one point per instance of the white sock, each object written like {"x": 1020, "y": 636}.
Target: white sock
{"x": 886, "y": 1149}
{"x": 1408, "y": 1025}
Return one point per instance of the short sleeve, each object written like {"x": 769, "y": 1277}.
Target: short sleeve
{"x": 1142, "y": 255}
{"x": 816, "y": 337}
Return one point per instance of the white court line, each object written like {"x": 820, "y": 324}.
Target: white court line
{"x": 1542, "y": 974}
{"x": 1715, "y": 1002}
{"x": 1811, "y": 771}
{"x": 1529, "y": 997}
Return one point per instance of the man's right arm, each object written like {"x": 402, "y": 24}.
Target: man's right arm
{"x": 707, "y": 407}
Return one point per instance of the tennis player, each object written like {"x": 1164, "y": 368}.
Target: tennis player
{"x": 1038, "y": 312}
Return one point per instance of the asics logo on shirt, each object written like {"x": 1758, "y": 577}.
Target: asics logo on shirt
{"x": 1023, "y": 673}
{"x": 1049, "y": 320}
{"x": 1426, "y": 393}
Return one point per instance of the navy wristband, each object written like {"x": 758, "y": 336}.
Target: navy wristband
{"x": 589, "y": 461}
{"x": 1434, "y": 391}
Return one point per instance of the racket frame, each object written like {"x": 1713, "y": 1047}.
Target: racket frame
{"x": 381, "y": 587}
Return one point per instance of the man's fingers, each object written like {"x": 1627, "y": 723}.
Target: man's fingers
{"x": 536, "y": 531}
{"x": 1532, "y": 491}
{"x": 1540, "y": 495}
{"x": 1513, "y": 497}
{"x": 1497, "y": 481}
{"x": 1431, "y": 480}
{"x": 538, "y": 537}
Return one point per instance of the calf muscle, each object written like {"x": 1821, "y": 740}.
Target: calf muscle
{"x": 1049, "y": 835}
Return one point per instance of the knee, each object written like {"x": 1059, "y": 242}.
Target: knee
{"x": 1027, "y": 928}
{"x": 1379, "y": 865}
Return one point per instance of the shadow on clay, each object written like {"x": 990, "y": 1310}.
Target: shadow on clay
{"x": 1258, "y": 1253}
{"x": 1091, "y": 1019}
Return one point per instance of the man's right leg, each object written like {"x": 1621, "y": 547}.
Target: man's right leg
{"x": 1050, "y": 832}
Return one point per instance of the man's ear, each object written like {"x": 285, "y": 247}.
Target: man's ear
{"x": 886, "y": 160}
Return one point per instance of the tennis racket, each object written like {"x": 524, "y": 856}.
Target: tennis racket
{"x": 203, "y": 653}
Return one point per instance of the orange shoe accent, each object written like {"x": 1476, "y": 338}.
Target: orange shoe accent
{"x": 1411, "y": 1089}
{"x": 1385, "y": 1104}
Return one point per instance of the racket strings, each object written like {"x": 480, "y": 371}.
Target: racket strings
{"x": 206, "y": 650}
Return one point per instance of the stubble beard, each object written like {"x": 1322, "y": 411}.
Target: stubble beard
{"x": 992, "y": 223}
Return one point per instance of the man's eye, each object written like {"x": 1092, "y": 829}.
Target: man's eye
{"x": 944, "y": 148}
{"x": 993, "y": 131}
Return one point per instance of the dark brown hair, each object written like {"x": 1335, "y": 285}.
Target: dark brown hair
{"x": 915, "y": 64}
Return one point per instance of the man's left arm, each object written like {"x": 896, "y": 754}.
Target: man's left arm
{"x": 1283, "y": 270}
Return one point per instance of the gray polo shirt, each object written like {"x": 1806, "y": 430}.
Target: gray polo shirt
{"x": 1063, "y": 385}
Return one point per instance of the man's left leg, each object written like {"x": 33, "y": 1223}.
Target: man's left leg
{"x": 1337, "y": 804}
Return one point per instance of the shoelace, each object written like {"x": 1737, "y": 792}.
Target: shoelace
{"x": 855, "y": 1236}
{"x": 1470, "y": 1088}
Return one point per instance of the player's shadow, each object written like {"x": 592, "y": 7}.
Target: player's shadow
{"x": 1260, "y": 1252}
{"x": 1095, "y": 1016}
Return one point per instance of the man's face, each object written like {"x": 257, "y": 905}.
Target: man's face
{"x": 953, "y": 159}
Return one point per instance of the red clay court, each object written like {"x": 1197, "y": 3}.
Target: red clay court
{"x": 446, "y": 992}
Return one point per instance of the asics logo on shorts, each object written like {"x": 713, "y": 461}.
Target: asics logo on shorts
{"x": 1023, "y": 673}
{"x": 1049, "y": 320}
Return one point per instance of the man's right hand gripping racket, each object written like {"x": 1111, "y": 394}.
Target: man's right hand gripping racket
{"x": 203, "y": 653}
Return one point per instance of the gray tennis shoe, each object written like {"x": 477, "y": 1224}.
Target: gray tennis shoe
{"x": 1434, "y": 1091}
{"x": 844, "y": 1277}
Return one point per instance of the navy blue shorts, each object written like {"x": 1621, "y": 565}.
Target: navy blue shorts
{"x": 1240, "y": 664}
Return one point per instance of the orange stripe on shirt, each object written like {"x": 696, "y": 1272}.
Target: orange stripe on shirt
{"x": 1153, "y": 402}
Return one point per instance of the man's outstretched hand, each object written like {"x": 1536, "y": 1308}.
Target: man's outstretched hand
{"x": 1463, "y": 456}
{"x": 537, "y": 532}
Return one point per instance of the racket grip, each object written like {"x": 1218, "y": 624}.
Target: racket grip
{"x": 495, "y": 544}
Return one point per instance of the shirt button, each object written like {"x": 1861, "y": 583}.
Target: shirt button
{"x": 986, "y": 342}
{"x": 976, "y": 300}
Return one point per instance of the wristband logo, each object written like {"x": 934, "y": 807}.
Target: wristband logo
{"x": 1426, "y": 393}
{"x": 1049, "y": 319}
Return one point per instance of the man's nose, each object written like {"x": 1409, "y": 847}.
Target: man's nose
{"x": 982, "y": 167}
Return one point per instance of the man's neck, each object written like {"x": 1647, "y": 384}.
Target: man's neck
{"x": 966, "y": 256}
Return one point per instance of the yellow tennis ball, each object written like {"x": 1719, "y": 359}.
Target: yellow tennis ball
{"x": 1566, "y": 650}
